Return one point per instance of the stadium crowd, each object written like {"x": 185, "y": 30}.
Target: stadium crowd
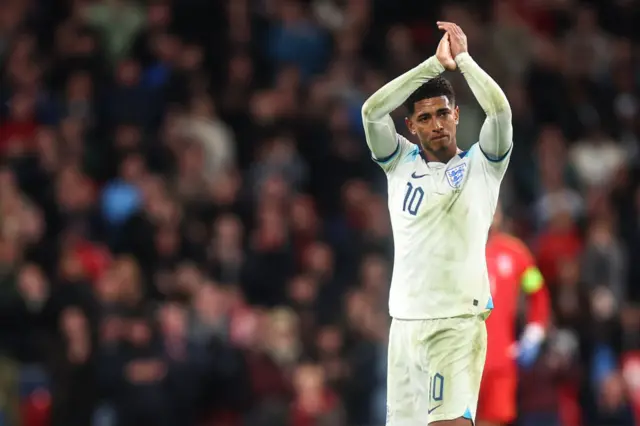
{"x": 192, "y": 231}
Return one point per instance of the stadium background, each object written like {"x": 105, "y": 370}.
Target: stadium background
{"x": 192, "y": 231}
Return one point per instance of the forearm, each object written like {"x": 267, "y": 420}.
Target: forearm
{"x": 393, "y": 94}
{"x": 532, "y": 283}
{"x": 538, "y": 307}
{"x": 537, "y": 319}
{"x": 497, "y": 132}
{"x": 378, "y": 125}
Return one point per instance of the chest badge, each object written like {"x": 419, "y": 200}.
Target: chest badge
{"x": 505, "y": 265}
{"x": 455, "y": 175}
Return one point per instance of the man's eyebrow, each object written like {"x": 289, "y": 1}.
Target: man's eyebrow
{"x": 444, "y": 109}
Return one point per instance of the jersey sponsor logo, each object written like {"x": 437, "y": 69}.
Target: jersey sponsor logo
{"x": 455, "y": 175}
{"x": 415, "y": 176}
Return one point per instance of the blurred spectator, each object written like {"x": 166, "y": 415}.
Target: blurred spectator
{"x": 73, "y": 386}
{"x": 542, "y": 384}
{"x": 295, "y": 38}
{"x": 314, "y": 403}
{"x": 202, "y": 126}
{"x": 604, "y": 270}
{"x": 118, "y": 21}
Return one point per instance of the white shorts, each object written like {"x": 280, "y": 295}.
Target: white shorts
{"x": 434, "y": 369}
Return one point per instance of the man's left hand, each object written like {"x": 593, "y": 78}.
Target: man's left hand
{"x": 457, "y": 38}
{"x": 528, "y": 352}
{"x": 530, "y": 345}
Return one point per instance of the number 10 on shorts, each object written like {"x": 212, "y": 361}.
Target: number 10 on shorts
{"x": 436, "y": 387}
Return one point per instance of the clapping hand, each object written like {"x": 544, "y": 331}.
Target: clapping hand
{"x": 457, "y": 39}
{"x": 443, "y": 53}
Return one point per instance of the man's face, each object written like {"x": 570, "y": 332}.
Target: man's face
{"x": 434, "y": 121}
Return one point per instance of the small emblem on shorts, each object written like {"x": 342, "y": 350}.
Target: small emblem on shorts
{"x": 436, "y": 391}
{"x": 455, "y": 175}
{"x": 434, "y": 408}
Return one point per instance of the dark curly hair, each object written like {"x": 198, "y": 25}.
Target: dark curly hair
{"x": 436, "y": 87}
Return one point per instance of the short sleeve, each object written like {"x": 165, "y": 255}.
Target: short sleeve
{"x": 403, "y": 149}
{"x": 493, "y": 169}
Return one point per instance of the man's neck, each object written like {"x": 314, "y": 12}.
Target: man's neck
{"x": 443, "y": 157}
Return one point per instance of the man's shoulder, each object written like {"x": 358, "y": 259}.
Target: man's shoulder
{"x": 480, "y": 165}
{"x": 409, "y": 154}
{"x": 411, "y": 151}
{"x": 464, "y": 159}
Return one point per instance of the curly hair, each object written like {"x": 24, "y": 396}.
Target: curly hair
{"x": 436, "y": 87}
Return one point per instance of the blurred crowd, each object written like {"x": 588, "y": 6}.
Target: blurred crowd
{"x": 192, "y": 231}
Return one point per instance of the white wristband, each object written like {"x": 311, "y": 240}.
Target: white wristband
{"x": 533, "y": 333}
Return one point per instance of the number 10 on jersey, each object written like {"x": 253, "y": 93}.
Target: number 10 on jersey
{"x": 412, "y": 199}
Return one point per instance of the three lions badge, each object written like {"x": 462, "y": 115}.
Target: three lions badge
{"x": 455, "y": 175}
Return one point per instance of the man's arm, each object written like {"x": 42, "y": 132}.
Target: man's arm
{"x": 532, "y": 283}
{"x": 378, "y": 124}
{"x": 496, "y": 136}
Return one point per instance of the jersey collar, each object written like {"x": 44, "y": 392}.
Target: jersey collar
{"x": 461, "y": 154}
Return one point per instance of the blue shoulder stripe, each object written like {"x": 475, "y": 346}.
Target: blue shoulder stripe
{"x": 494, "y": 159}
{"x": 388, "y": 157}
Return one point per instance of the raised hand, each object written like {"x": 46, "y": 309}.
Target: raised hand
{"x": 443, "y": 53}
{"x": 457, "y": 38}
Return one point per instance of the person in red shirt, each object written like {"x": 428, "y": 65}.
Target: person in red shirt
{"x": 512, "y": 270}
{"x": 19, "y": 128}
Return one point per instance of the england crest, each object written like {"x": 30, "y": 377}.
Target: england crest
{"x": 455, "y": 175}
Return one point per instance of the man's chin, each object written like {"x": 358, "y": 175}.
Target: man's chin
{"x": 440, "y": 144}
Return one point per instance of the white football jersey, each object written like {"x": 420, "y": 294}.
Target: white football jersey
{"x": 441, "y": 214}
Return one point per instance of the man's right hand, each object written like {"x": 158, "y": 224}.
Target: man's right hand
{"x": 443, "y": 53}
{"x": 457, "y": 38}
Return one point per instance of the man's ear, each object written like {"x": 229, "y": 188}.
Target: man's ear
{"x": 456, "y": 114}
{"x": 410, "y": 126}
